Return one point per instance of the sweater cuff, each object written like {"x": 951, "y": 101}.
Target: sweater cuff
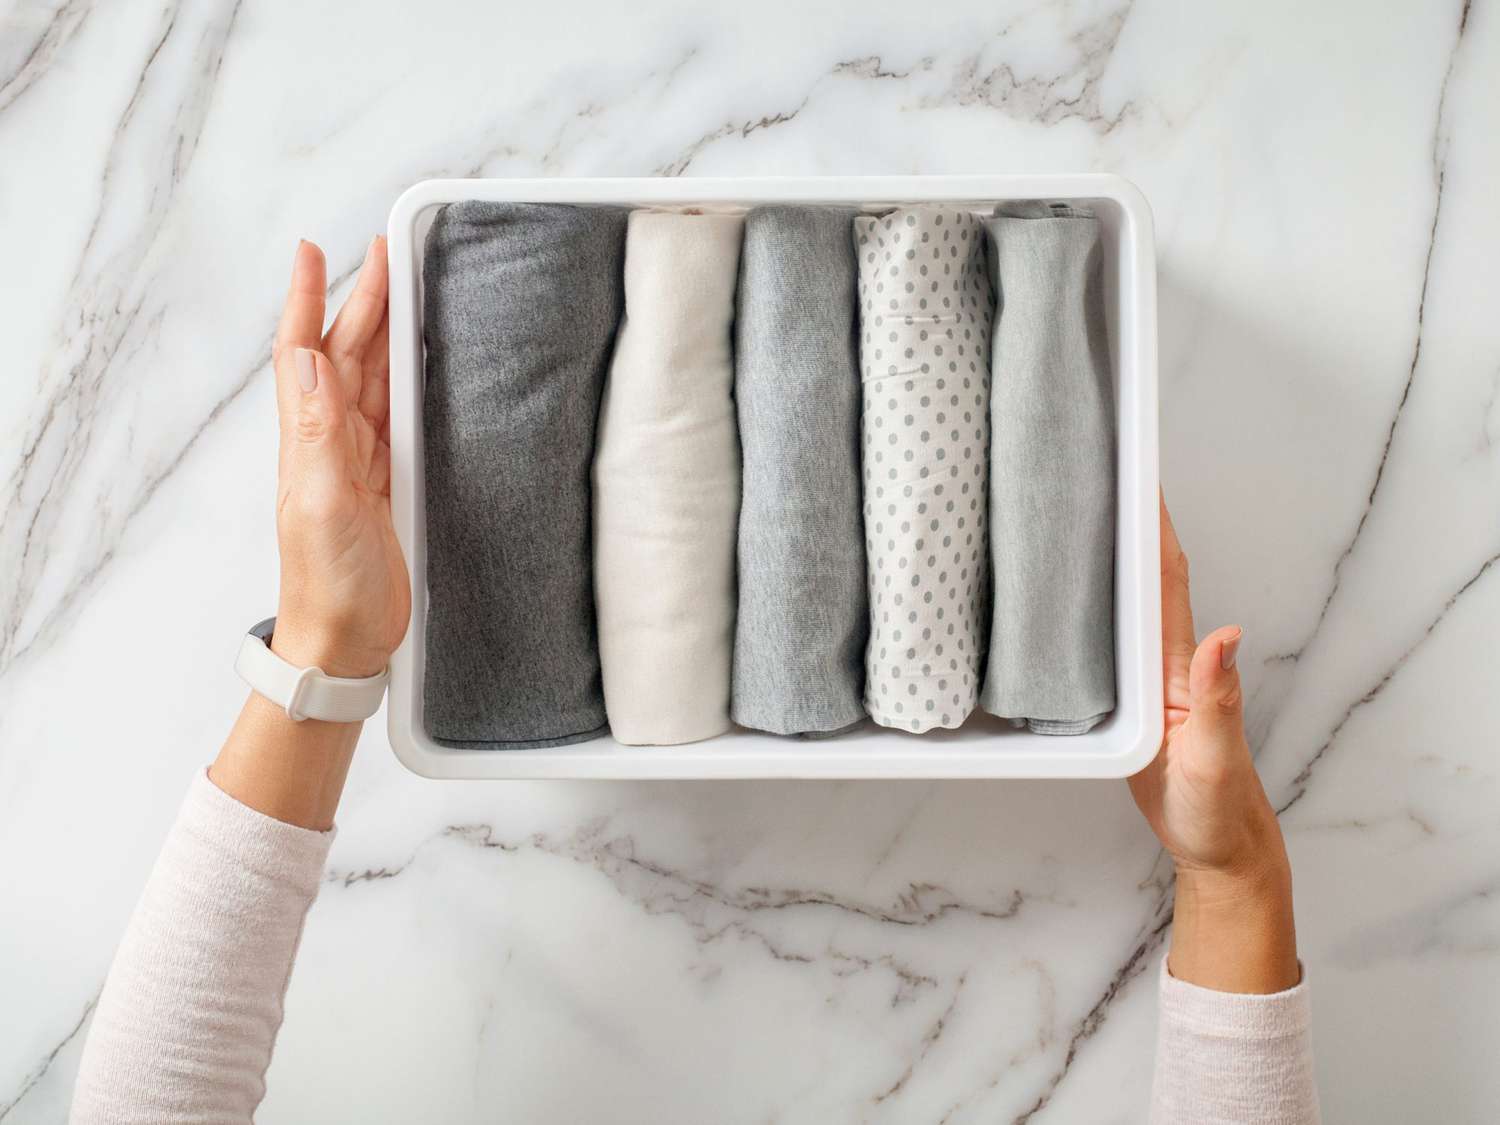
{"x": 282, "y": 852}
{"x": 1235, "y": 1015}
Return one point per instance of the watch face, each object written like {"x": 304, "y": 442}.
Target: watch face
{"x": 264, "y": 629}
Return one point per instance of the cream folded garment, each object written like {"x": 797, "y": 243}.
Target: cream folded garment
{"x": 925, "y": 316}
{"x": 667, "y": 484}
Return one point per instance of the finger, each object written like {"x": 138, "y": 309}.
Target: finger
{"x": 375, "y": 392}
{"x": 315, "y": 447}
{"x": 357, "y": 320}
{"x": 301, "y": 323}
{"x": 1215, "y": 685}
{"x": 1176, "y": 614}
{"x": 355, "y": 325}
{"x": 1176, "y": 601}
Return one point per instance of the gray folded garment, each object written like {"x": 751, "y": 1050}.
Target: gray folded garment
{"x": 521, "y": 304}
{"x": 1052, "y": 475}
{"x": 799, "y": 644}
{"x": 925, "y": 323}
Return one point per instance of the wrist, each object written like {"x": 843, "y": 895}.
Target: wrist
{"x": 338, "y": 653}
{"x": 293, "y": 772}
{"x": 1233, "y": 929}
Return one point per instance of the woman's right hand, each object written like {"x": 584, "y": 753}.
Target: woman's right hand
{"x": 1233, "y": 928}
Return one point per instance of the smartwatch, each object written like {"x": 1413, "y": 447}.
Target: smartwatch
{"x": 305, "y": 693}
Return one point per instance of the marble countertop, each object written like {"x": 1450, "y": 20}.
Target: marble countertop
{"x": 1323, "y": 181}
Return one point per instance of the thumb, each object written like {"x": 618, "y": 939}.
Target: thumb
{"x": 314, "y": 460}
{"x": 1214, "y": 683}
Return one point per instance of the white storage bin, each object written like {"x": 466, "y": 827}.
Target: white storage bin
{"x": 984, "y": 747}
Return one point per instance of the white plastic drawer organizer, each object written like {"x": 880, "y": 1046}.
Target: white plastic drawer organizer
{"x": 984, "y": 747}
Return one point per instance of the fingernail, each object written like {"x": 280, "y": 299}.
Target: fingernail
{"x": 1229, "y": 650}
{"x": 307, "y": 373}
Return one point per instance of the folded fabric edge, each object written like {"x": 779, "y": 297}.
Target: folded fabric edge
{"x": 1066, "y": 726}
{"x": 729, "y": 210}
{"x": 679, "y": 740}
{"x": 903, "y": 723}
{"x": 1039, "y": 209}
{"x": 520, "y": 743}
{"x": 831, "y": 729}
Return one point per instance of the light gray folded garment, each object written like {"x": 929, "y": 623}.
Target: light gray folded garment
{"x": 521, "y": 305}
{"x": 799, "y": 644}
{"x": 925, "y": 321}
{"x": 1052, "y": 475}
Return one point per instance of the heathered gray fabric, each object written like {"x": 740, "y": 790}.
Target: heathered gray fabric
{"x": 521, "y": 304}
{"x": 1052, "y": 475}
{"x": 925, "y": 322}
{"x": 799, "y": 646}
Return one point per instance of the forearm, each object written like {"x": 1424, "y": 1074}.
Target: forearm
{"x": 1234, "y": 932}
{"x": 292, "y": 771}
{"x": 1234, "y": 1041}
{"x": 188, "y": 1017}
{"x": 189, "y": 1012}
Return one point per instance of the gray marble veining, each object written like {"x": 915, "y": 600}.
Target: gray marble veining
{"x": 1322, "y": 183}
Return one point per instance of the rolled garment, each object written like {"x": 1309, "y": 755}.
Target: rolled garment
{"x": 667, "y": 483}
{"x": 1052, "y": 475}
{"x": 925, "y": 312}
{"x": 799, "y": 641}
{"x": 521, "y": 304}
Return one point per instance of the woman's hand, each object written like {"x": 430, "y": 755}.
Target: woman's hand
{"x": 345, "y": 597}
{"x": 1233, "y": 926}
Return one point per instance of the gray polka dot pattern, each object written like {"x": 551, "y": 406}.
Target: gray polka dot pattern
{"x": 925, "y": 315}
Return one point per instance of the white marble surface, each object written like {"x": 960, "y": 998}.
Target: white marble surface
{"x": 1323, "y": 177}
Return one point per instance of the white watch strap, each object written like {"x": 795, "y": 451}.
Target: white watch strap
{"x": 306, "y": 693}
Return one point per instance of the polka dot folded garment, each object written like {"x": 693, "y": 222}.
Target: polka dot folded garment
{"x": 925, "y": 318}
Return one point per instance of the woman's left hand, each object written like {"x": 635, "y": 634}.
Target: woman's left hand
{"x": 1233, "y": 929}
{"x": 345, "y": 595}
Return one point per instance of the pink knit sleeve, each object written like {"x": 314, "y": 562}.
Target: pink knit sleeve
{"x": 1229, "y": 1058}
{"x": 190, "y": 1009}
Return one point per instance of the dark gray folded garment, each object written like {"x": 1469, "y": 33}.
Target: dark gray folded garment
{"x": 521, "y": 305}
{"x": 803, "y": 610}
{"x": 1052, "y": 475}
